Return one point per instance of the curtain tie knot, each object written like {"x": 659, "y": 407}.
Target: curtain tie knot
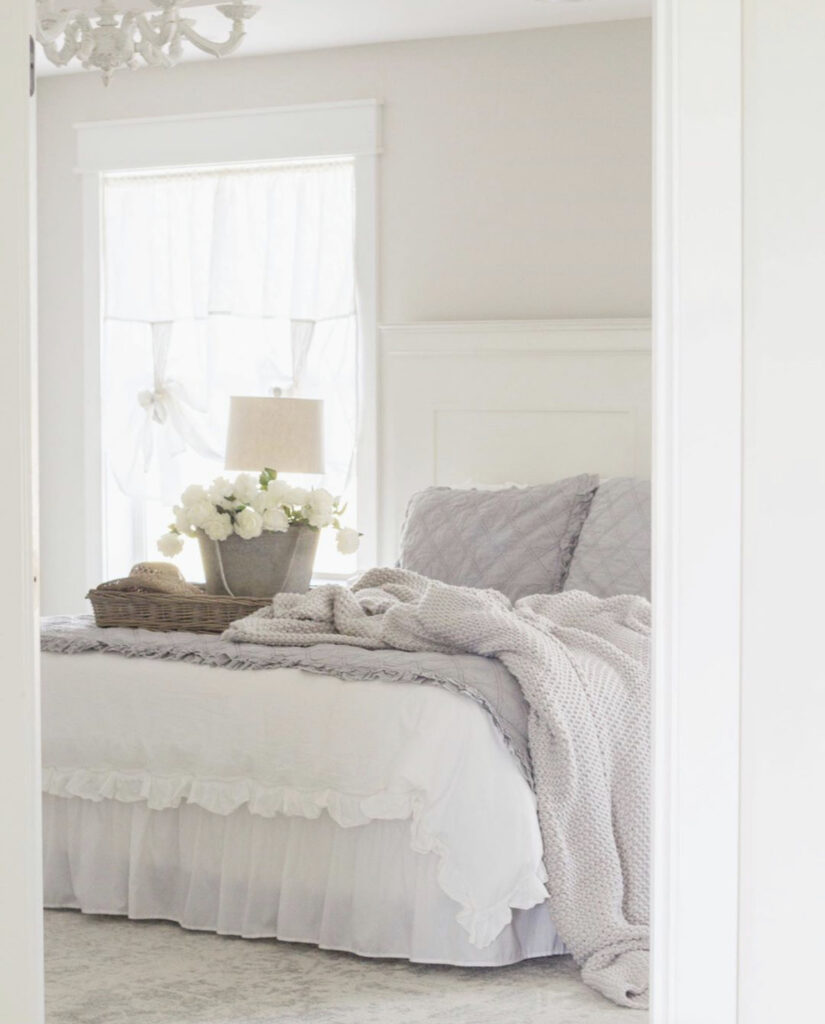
{"x": 155, "y": 402}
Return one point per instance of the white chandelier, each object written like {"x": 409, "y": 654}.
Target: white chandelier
{"x": 108, "y": 40}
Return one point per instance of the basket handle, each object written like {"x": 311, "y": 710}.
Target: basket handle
{"x": 226, "y": 586}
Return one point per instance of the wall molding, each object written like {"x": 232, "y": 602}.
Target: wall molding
{"x": 310, "y": 131}
{"x": 513, "y": 326}
{"x": 509, "y": 400}
{"x": 450, "y": 337}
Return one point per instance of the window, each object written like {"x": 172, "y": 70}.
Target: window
{"x": 219, "y": 282}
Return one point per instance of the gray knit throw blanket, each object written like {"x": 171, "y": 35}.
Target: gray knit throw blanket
{"x": 583, "y": 666}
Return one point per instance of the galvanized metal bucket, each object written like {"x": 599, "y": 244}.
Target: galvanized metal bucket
{"x": 273, "y": 563}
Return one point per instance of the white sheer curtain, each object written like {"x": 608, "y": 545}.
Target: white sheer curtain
{"x": 217, "y": 283}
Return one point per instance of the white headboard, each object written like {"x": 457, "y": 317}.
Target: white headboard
{"x": 524, "y": 401}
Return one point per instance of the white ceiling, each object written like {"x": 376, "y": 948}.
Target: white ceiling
{"x": 284, "y": 25}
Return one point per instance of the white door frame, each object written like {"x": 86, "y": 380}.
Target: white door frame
{"x": 21, "y": 889}
{"x": 697, "y": 509}
{"x": 697, "y": 523}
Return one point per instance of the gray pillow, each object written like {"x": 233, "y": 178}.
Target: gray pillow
{"x": 613, "y": 553}
{"x": 519, "y": 540}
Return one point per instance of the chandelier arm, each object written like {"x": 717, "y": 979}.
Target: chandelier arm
{"x": 152, "y": 55}
{"x": 74, "y": 36}
{"x": 216, "y": 49}
{"x": 150, "y": 47}
{"x": 51, "y": 27}
{"x": 160, "y": 37}
{"x": 61, "y": 55}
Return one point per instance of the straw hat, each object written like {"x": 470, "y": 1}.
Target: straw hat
{"x": 158, "y": 577}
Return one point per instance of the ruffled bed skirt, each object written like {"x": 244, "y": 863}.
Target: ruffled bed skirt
{"x": 360, "y": 889}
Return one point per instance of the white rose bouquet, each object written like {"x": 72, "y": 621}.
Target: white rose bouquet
{"x": 250, "y": 505}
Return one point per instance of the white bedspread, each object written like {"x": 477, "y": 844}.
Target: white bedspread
{"x": 286, "y": 741}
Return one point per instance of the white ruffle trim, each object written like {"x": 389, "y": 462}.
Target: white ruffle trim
{"x": 224, "y": 797}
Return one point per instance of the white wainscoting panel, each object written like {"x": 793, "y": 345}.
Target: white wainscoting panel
{"x": 509, "y": 401}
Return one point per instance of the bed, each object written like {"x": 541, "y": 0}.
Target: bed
{"x": 288, "y": 804}
{"x": 388, "y": 818}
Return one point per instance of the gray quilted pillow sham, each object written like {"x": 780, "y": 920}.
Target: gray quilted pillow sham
{"x": 613, "y": 553}
{"x": 519, "y": 540}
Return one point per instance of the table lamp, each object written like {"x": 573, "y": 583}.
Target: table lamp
{"x": 268, "y": 436}
{"x": 281, "y": 434}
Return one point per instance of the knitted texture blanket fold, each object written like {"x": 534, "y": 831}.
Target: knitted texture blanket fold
{"x": 583, "y": 666}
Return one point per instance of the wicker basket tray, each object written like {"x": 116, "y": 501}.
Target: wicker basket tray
{"x": 194, "y": 613}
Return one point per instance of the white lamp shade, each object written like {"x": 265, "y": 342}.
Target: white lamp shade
{"x": 284, "y": 434}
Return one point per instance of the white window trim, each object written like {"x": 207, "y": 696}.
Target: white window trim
{"x": 316, "y": 131}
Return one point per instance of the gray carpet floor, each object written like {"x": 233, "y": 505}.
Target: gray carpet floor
{"x": 105, "y": 970}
